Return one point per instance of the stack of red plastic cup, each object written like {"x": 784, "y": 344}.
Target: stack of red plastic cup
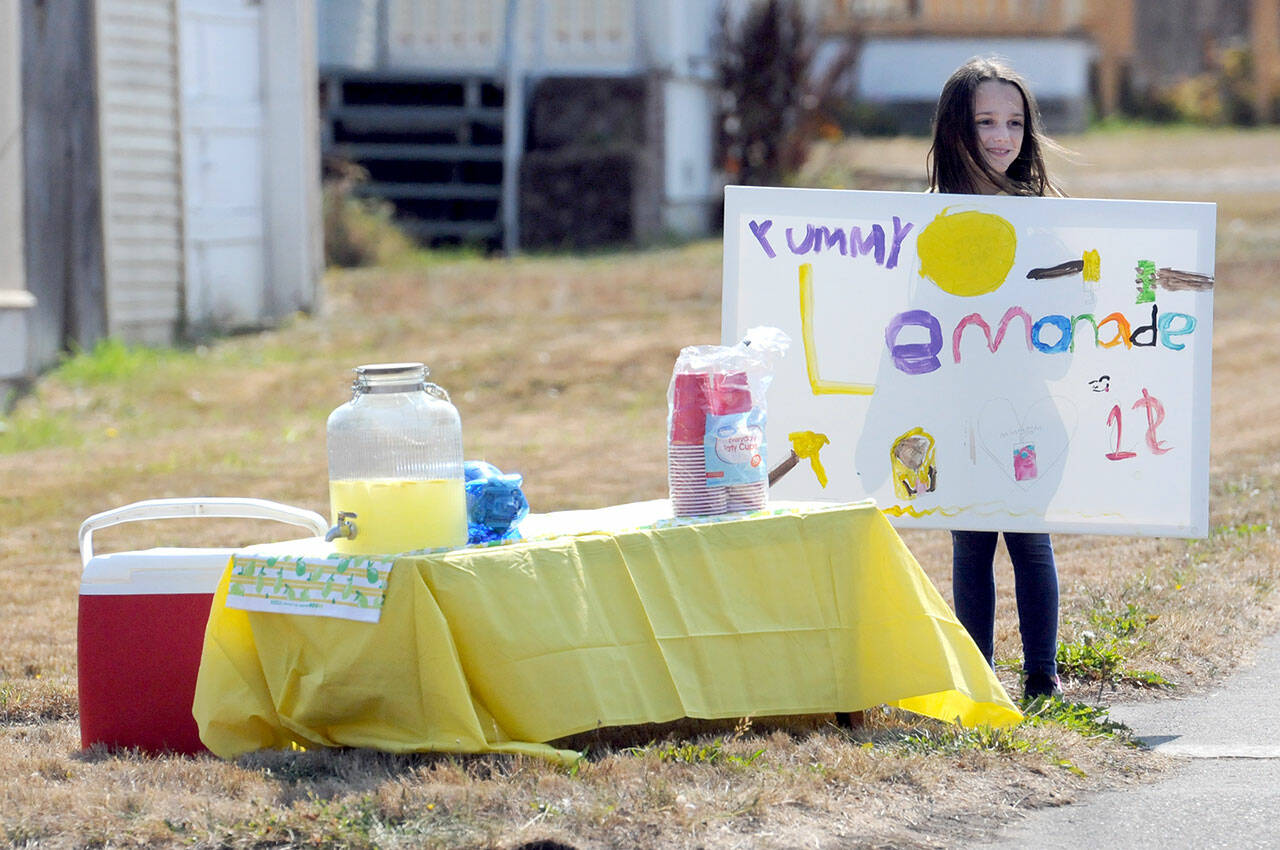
{"x": 695, "y": 395}
{"x": 732, "y": 394}
{"x": 686, "y": 457}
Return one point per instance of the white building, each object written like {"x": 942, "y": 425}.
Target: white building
{"x": 15, "y": 301}
{"x": 170, "y": 168}
{"x": 467, "y": 142}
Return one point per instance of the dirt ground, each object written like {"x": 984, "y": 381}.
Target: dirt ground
{"x": 555, "y": 362}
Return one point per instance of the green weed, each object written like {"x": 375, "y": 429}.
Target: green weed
{"x": 42, "y": 430}
{"x": 1100, "y": 652}
{"x": 110, "y": 360}
{"x": 1126, "y": 623}
{"x": 342, "y": 818}
{"x": 1089, "y": 660}
{"x": 1102, "y": 661}
{"x": 1147, "y": 678}
{"x": 951, "y": 739}
{"x": 1089, "y": 721}
{"x": 352, "y": 823}
{"x": 699, "y": 751}
{"x": 706, "y": 753}
{"x": 108, "y": 364}
{"x": 1242, "y": 529}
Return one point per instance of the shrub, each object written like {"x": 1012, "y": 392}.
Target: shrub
{"x": 772, "y": 104}
{"x": 358, "y": 231}
{"x": 1222, "y": 96}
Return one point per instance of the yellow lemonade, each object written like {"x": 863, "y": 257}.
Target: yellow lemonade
{"x": 395, "y": 515}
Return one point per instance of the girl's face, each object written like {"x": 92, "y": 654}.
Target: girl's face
{"x": 998, "y": 121}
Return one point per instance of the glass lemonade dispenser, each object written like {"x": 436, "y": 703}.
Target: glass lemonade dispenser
{"x": 395, "y": 464}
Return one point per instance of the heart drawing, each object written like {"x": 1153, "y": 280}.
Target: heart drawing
{"x": 1026, "y": 446}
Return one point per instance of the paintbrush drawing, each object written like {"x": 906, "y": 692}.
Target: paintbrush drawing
{"x": 1066, "y": 269}
{"x": 1148, "y": 277}
{"x": 1090, "y": 265}
{"x": 1175, "y": 280}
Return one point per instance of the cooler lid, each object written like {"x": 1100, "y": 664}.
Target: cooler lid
{"x": 166, "y": 570}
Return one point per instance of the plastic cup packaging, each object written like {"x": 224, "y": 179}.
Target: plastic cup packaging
{"x": 747, "y": 497}
{"x": 730, "y": 393}
{"x": 685, "y": 507}
{"x": 715, "y": 448}
{"x": 694, "y": 396}
{"x": 687, "y": 479}
{"x": 690, "y": 404}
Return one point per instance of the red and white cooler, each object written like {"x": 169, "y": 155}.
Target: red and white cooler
{"x": 142, "y": 620}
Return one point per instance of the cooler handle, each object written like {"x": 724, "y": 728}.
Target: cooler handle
{"x": 211, "y": 507}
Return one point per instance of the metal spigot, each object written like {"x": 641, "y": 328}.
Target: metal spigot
{"x": 345, "y": 527}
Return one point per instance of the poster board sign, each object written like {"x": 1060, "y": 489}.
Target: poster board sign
{"x": 979, "y": 362}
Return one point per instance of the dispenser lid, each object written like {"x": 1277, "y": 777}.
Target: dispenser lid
{"x": 386, "y": 369}
{"x": 390, "y": 378}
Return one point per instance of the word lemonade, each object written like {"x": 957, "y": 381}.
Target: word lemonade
{"x": 396, "y": 479}
{"x": 970, "y": 253}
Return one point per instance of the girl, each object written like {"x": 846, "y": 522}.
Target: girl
{"x": 986, "y": 141}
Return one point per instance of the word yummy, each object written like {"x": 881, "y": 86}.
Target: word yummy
{"x": 834, "y": 240}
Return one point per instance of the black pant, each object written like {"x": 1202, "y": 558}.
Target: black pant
{"x": 1035, "y": 580}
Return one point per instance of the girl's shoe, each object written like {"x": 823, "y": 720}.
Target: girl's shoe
{"x": 1038, "y": 685}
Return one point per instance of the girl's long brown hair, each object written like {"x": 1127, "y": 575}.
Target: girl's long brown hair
{"x": 956, "y": 163}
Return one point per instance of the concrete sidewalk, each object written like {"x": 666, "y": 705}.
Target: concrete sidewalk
{"x": 1225, "y": 794}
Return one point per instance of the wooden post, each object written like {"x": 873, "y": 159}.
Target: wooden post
{"x": 63, "y": 207}
{"x": 12, "y": 273}
{"x": 293, "y": 240}
{"x": 1264, "y": 29}
{"x": 512, "y": 127}
{"x": 1110, "y": 22}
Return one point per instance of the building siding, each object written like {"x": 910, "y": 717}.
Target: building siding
{"x": 558, "y": 37}
{"x": 141, "y": 167}
{"x": 12, "y": 274}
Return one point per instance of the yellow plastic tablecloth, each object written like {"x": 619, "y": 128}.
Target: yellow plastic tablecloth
{"x": 500, "y": 649}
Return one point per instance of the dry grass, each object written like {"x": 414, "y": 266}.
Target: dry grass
{"x": 559, "y": 367}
